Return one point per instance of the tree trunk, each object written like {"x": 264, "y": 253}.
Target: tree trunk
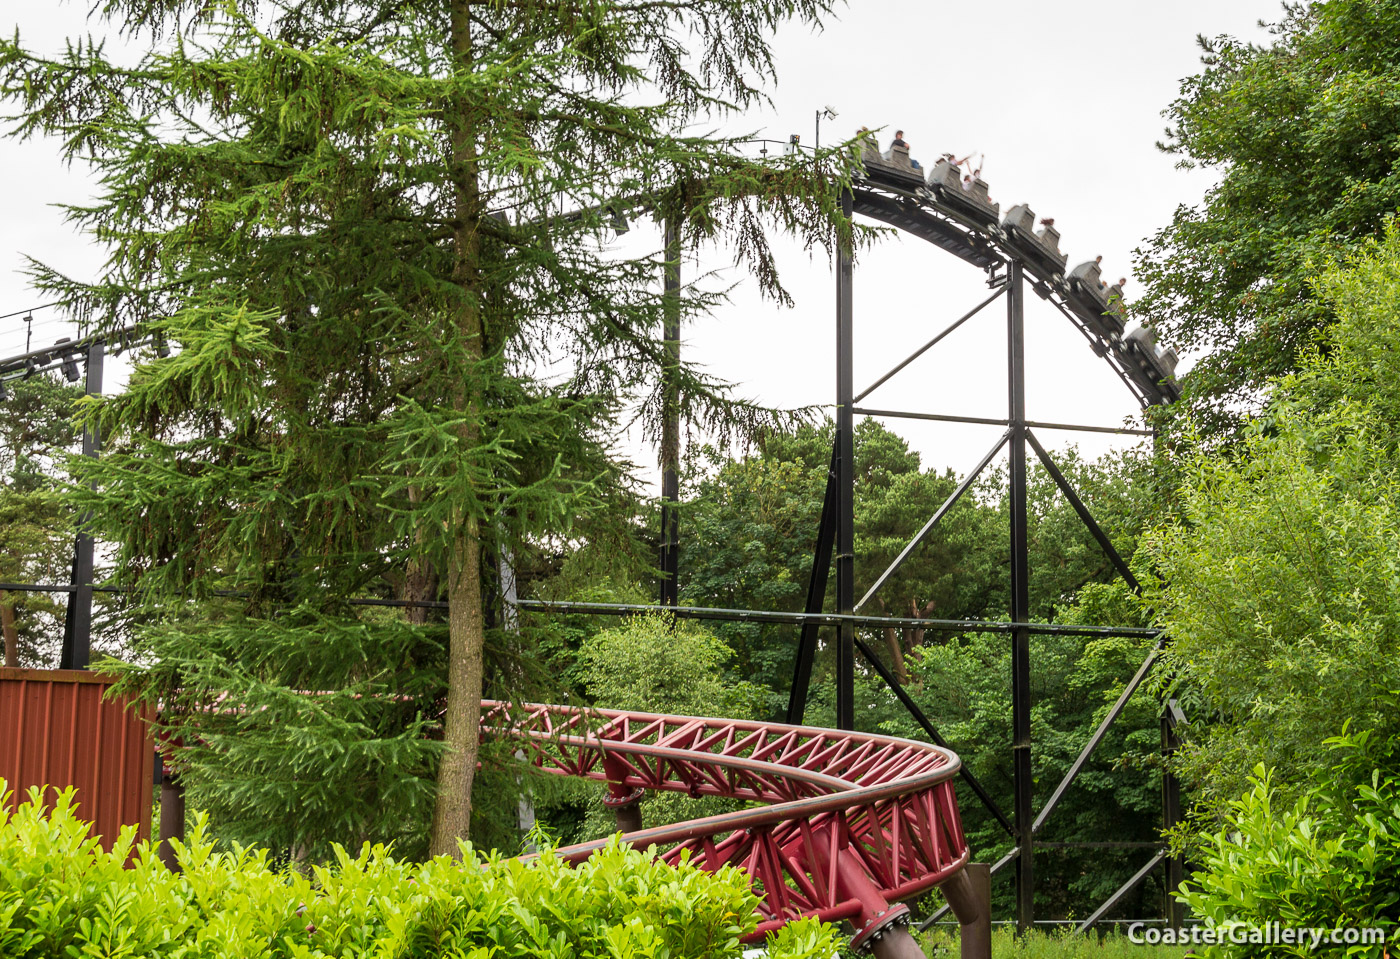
{"x": 913, "y": 638}
{"x": 894, "y": 645}
{"x": 7, "y": 626}
{"x": 466, "y": 620}
{"x": 462, "y": 722}
{"x": 896, "y": 649}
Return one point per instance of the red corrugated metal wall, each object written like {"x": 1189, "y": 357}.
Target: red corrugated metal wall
{"x": 57, "y": 730}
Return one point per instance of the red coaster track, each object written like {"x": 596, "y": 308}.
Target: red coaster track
{"x": 852, "y": 823}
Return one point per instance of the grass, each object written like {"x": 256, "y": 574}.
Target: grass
{"x": 942, "y": 943}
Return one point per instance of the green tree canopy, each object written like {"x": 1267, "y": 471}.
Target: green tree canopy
{"x": 1303, "y": 132}
{"x": 749, "y": 531}
{"x": 1279, "y": 580}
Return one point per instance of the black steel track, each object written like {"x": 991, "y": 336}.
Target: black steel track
{"x": 918, "y": 212}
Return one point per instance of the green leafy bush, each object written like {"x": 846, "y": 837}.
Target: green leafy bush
{"x": 1279, "y": 582}
{"x": 61, "y": 895}
{"x": 1330, "y": 859}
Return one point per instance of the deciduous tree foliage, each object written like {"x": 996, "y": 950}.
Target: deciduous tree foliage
{"x": 398, "y": 350}
{"x": 751, "y": 527}
{"x": 1303, "y": 132}
{"x": 1279, "y": 580}
{"x": 662, "y": 664}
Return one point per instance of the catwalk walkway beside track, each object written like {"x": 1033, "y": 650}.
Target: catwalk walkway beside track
{"x": 851, "y": 824}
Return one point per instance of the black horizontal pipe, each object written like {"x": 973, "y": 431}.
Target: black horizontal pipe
{"x": 989, "y": 421}
{"x": 832, "y": 619}
{"x": 704, "y": 612}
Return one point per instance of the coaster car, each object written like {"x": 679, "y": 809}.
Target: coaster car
{"x": 1040, "y": 248}
{"x": 1093, "y": 301}
{"x": 892, "y": 168}
{"x": 1150, "y": 365}
{"x": 946, "y": 185}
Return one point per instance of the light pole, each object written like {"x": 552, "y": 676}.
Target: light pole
{"x": 830, "y": 114}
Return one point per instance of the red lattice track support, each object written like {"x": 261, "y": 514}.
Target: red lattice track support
{"x": 852, "y": 824}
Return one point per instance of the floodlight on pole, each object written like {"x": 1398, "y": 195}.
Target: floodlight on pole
{"x": 829, "y": 113}
{"x": 69, "y": 363}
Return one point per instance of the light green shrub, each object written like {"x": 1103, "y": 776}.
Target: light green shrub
{"x": 61, "y": 895}
{"x": 1327, "y": 860}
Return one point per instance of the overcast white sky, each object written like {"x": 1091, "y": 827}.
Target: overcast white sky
{"x": 1063, "y": 98}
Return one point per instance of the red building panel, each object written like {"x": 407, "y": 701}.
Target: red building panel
{"x": 57, "y": 730}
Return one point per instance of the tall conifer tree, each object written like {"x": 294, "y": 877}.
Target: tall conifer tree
{"x": 374, "y": 234}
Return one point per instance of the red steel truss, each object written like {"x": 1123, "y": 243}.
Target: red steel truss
{"x": 851, "y": 823}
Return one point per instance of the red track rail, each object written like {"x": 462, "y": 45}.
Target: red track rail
{"x": 851, "y": 824}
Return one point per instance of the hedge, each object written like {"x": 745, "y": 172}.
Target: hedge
{"x": 62, "y": 896}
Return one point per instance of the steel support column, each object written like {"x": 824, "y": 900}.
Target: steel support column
{"x": 77, "y": 624}
{"x": 816, "y": 595}
{"x": 845, "y": 468}
{"x": 172, "y": 817}
{"x": 969, "y": 895}
{"x": 671, "y": 418}
{"x": 1023, "y": 781}
{"x": 944, "y": 909}
{"x": 1173, "y": 911}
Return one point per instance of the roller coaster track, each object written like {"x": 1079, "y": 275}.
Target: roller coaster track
{"x": 967, "y": 225}
{"x": 850, "y": 824}
{"x": 963, "y": 223}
